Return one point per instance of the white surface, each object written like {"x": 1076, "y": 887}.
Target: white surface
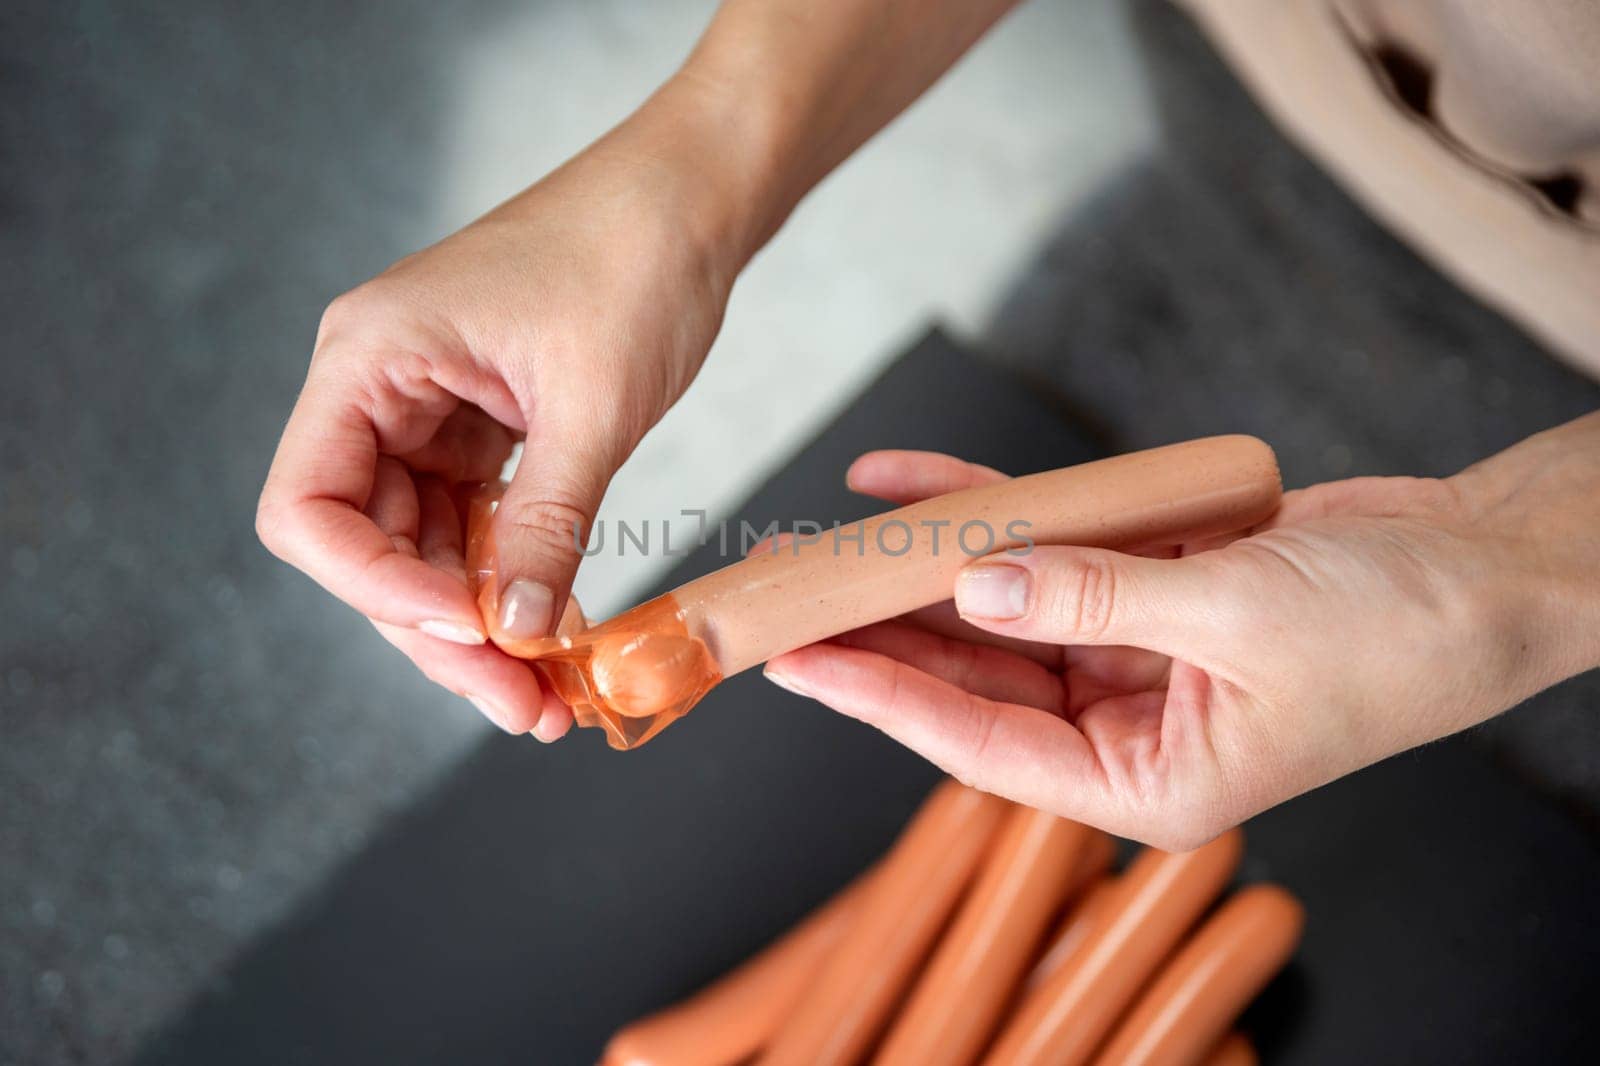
{"x": 930, "y": 221}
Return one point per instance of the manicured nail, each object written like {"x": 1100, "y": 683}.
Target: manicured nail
{"x": 785, "y": 682}
{"x": 525, "y": 609}
{"x": 454, "y": 632}
{"x": 993, "y": 591}
{"x": 488, "y": 710}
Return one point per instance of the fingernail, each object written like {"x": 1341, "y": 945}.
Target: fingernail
{"x": 488, "y": 710}
{"x": 525, "y": 609}
{"x": 993, "y": 591}
{"x": 785, "y": 682}
{"x": 537, "y": 732}
{"x": 454, "y": 632}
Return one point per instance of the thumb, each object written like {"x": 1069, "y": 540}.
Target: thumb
{"x": 539, "y": 528}
{"x": 1066, "y": 595}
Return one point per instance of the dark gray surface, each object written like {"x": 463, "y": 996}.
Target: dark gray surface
{"x": 1227, "y": 285}
{"x": 1450, "y": 909}
{"x": 182, "y": 189}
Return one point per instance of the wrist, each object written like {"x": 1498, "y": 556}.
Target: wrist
{"x": 710, "y": 161}
{"x": 1533, "y": 512}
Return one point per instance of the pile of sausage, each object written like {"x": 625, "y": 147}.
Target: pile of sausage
{"x": 996, "y": 934}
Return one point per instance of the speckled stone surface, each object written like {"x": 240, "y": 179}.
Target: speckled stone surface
{"x": 1226, "y": 284}
{"x": 190, "y": 734}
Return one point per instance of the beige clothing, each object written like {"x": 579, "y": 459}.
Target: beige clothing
{"x": 1470, "y": 127}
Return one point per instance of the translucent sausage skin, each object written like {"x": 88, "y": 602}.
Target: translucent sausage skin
{"x": 1212, "y": 978}
{"x": 1162, "y": 894}
{"x": 912, "y": 896}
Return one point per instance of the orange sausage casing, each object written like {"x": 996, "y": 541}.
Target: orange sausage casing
{"x": 1096, "y": 858}
{"x": 1211, "y": 979}
{"x": 1073, "y": 931}
{"x": 1063, "y": 1020}
{"x": 976, "y": 967}
{"x": 1089, "y": 881}
{"x": 914, "y": 891}
{"x": 729, "y": 1020}
{"x": 776, "y": 601}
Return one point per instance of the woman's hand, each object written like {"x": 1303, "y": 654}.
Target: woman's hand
{"x": 570, "y": 318}
{"x": 1167, "y": 699}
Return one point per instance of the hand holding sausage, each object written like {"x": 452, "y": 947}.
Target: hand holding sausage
{"x": 1166, "y": 699}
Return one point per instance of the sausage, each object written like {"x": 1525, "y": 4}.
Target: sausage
{"x": 975, "y": 969}
{"x": 1074, "y": 929}
{"x": 917, "y": 886}
{"x": 1097, "y": 856}
{"x": 1087, "y": 881}
{"x": 828, "y": 586}
{"x": 729, "y": 1020}
{"x": 647, "y": 667}
{"x": 1064, "y": 1019}
{"x": 1211, "y": 979}
{"x": 1233, "y": 1050}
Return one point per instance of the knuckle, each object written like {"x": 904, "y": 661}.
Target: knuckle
{"x": 552, "y": 522}
{"x": 375, "y": 304}
{"x": 980, "y": 736}
{"x": 271, "y": 526}
{"x": 973, "y": 736}
{"x": 343, "y": 311}
{"x": 1084, "y": 602}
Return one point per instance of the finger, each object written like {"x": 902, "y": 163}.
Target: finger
{"x": 1021, "y": 753}
{"x": 439, "y": 533}
{"x": 1096, "y": 673}
{"x": 539, "y": 528}
{"x": 909, "y": 476}
{"x": 556, "y": 721}
{"x": 985, "y": 671}
{"x": 942, "y": 618}
{"x": 506, "y": 690}
{"x": 1094, "y": 596}
{"x": 558, "y": 718}
{"x": 392, "y": 504}
{"x": 310, "y": 514}
{"x": 467, "y": 446}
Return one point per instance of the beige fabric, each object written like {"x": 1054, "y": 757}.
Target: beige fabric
{"x": 1513, "y": 98}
